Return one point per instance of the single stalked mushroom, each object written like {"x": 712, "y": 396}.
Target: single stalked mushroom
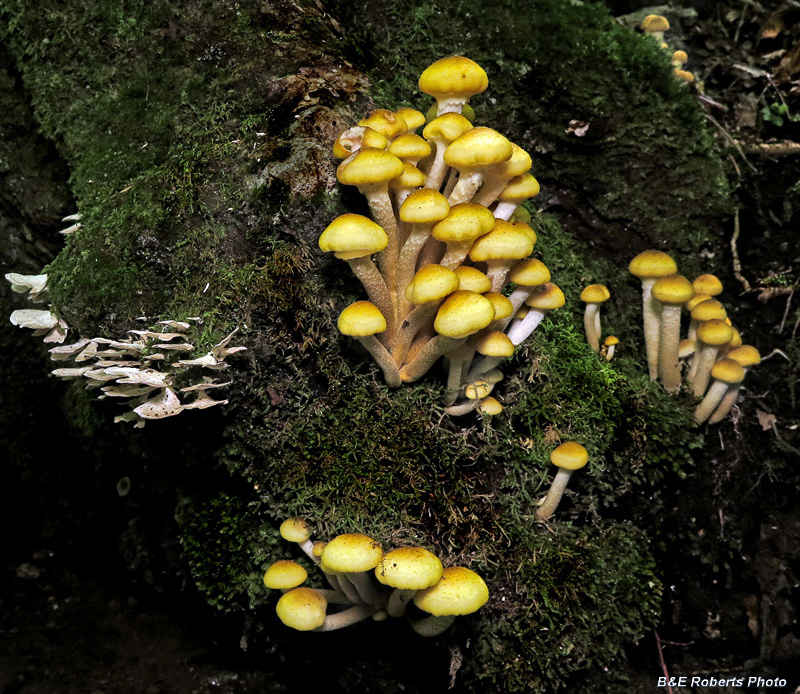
{"x": 442, "y": 131}
{"x": 460, "y": 591}
{"x": 593, "y": 296}
{"x": 655, "y": 25}
{"x": 544, "y": 298}
{"x": 726, "y": 372}
{"x": 610, "y": 344}
{"x": 518, "y": 190}
{"x": 407, "y": 570}
{"x": 672, "y": 292}
{"x": 648, "y": 266}
{"x": 352, "y": 555}
{"x": 302, "y": 609}
{"x": 567, "y": 457}
{"x": 363, "y": 321}
{"x": 748, "y": 357}
{"x": 452, "y": 81}
{"x": 471, "y": 155}
{"x": 504, "y": 244}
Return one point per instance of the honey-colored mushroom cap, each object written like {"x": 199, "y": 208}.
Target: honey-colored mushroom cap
{"x": 569, "y": 456}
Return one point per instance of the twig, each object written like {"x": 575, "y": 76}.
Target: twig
{"x": 661, "y": 658}
{"x": 737, "y": 266}
{"x": 786, "y": 310}
{"x": 732, "y": 141}
{"x": 774, "y": 149}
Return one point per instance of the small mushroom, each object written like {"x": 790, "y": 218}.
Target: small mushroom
{"x": 593, "y": 296}
{"x": 567, "y": 457}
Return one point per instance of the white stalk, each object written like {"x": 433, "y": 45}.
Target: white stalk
{"x": 554, "y": 495}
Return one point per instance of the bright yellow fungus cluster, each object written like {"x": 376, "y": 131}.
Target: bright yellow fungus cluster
{"x": 366, "y": 582}
{"x": 448, "y": 233}
{"x": 719, "y": 360}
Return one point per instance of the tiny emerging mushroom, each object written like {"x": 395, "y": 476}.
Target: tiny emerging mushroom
{"x": 610, "y": 345}
{"x": 567, "y": 457}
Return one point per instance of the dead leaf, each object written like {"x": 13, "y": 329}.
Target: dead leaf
{"x": 773, "y": 26}
{"x": 766, "y": 420}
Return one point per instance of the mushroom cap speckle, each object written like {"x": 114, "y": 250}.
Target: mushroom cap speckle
{"x": 460, "y": 591}
{"x": 302, "y": 609}
{"x": 569, "y": 456}
{"x": 409, "y": 568}
{"x": 351, "y": 552}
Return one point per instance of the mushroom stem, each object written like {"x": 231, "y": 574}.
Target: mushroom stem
{"x": 435, "y": 348}
{"x": 551, "y": 501}
{"x": 377, "y": 290}
{"x": 702, "y": 374}
{"x": 669, "y": 366}
{"x": 462, "y": 408}
{"x": 591, "y": 320}
{"x": 366, "y": 588}
{"x": 345, "y": 618}
{"x": 710, "y": 401}
{"x": 651, "y": 313}
{"x": 334, "y": 597}
{"x": 398, "y": 601}
{"x": 410, "y": 327}
{"x": 391, "y": 373}
{"x": 725, "y": 404}
{"x": 432, "y": 626}
{"x": 521, "y": 329}
{"x": 482, "y": 366}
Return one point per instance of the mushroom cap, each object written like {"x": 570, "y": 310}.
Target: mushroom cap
{"x": 411, "y": 116}
{"x": 353, "y": 236}
{"x": 388, "y": 124}
{"x": 409, "y": 568}
{"x": 431, "y": 283}
{"x": 447, "y": 127}
{"x": 351, "y": 552}
{"x": 714, "y": 332}
{"x": 595, "y": 294}
{"x": 493, "y": 376}
{"x": 516, "y": 165}
{"x": 654, "y": 22}
{"x": 679, "y": 57}
{"x": 735, "y": 341}
{"x": 746, "y": 355}
{"x": 424, "y": 206}
{"x": 302, "y": 609}
{"x": 465, "y": 223}
{"x": 504, "y": 242}
{"x": 360, "y": 319}
{"x": 478, "y": 390}
{"x": 710, "y": 309}
{"x": 462, "y": 314}
{"x": 728, "y": 370}
{"x": 569, "y": 456}
{"x": 369, "y": 167}
{"x": 520, "y": 214}
{"x": 684, "y": 75}
{"x": 411, "y": 177}
{"x": 707, "y": 284}
{"x": 357, "y": 137}
{"x": 472, "y": 280}
{"x": 502, "y": 305}
{"x": 524, "y": 227}
{"x": 495, "y": 344}
{"x": 284, "y": 574}
{"x": 520, "y": 188}
{"x": 611, "y": 340}
{"x": 409, "y": 146}
{"x": 673, "y": 289}
{"x": 652, "y": 263}
{"x": 546, "y": 297}
{"x": 478, "y": 148}
{"x": 460, "y": 591}
{"x": 295, "y": 530}
{"x": 454, "y": 76}
{"x": 696, "y": 299}
{"x": 490, "y": 406}
{"x": 529, "y": 273}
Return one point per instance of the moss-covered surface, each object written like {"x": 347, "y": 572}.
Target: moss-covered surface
{"x": 197, "y": 140}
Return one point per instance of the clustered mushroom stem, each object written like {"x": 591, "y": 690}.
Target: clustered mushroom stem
{"x": 377, "y": 290}
{"x": 398, "y": 601}
{"x": 366, "y": 589}
{"x": 410, "y": 327}
{"x": 669, "y": 366}
{"x": 334, "y": 597}
{"x": 391, "y": 373}
{"x": 484, "y": 365}
{"x": 651, "y": 312}
{"x": 465, "y": 188}
{"x": 554, "y": 494}
{"x": 345, "y": 618}
{"x": 455, "y": 369}
{"x": 434, "y": 349}
{"x": 520, "y": 330}
{"x": 702, "y": 375}
{"x": 432, "y": 626}
{"x": 462, "y": 408}
{"x": 438, "y": 168}
{"x": 505, "y": 209}
{"x": 725, "y": 404}
{"x": 710, "y": 402}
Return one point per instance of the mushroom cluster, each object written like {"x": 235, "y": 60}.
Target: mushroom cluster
{"x": 137, "y": 370}
{"x": 655, "y": 25}
{"x": 448, "y": 233}
{"x": 713, "y": 347}
{"x": 366, "y": 582}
